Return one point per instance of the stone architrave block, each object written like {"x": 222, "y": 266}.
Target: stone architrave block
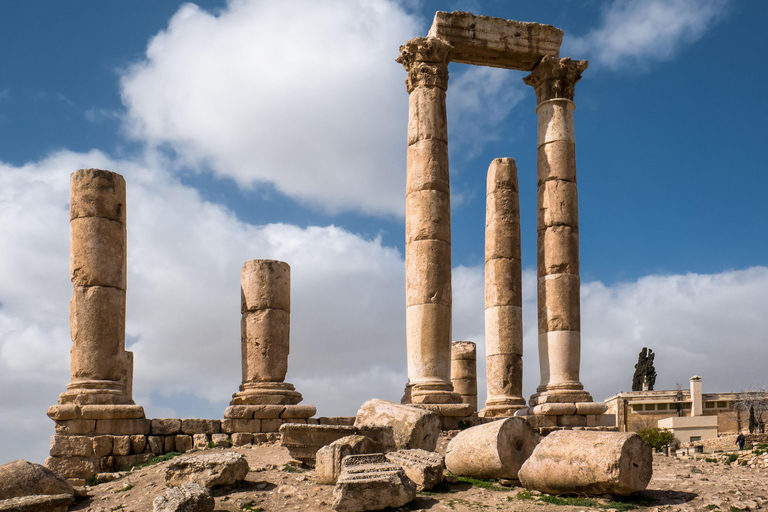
{"x": 493, "y": 450}
{"x": 155, "y": 444}
{"x": 71, "y": 446}
{"x": 200, "y": 441}
{"x": 23, "y": 478}
{"x": 303, "y": 441}
{"x": 207, "y": 470}
{"x": 424, "y": 468}
{"x": 199, "y": 426}
{"x": 102, "y": 446}
{"x": 166, "y": 426}
{"x": 121, "y": 445}
{"x": 412, "y": 427}
{"x": 188, "y": 497}
{"x": 38, "y": 503}
{"x": 587, "y": 462}
{"x": 221, "y": 440}
{"x": 183, "y": 443}
{"x": 241, "y": 439}
{"x": 371, "y": 482}
{"x": 329, "y": 457}
{"x": 138, "y": 443}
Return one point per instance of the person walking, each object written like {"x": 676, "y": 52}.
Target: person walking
{"x": 740, "y": 441}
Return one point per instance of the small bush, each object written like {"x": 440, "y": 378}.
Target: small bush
{"x": 732, "y": 458}
{"x": 710, "y": 459}
{"x": 657, "y": 437}
{"x": 288, "y": 468}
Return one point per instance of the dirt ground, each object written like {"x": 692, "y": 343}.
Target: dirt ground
{"x": 677, "y": 484}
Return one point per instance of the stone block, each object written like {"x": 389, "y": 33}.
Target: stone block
{"x": 112, "y": 412}
{"x": 427, "y": 115}
{"x": 336, "y": 420}
{"x": 200, "y": 426}
{"x": 371, "y": 482}
{"x": 496, "y": 42}
{"x": 207, "y": 469}
{"x": 71, "y": 446}
{"x": 575, "y": 420}
{"x": 303, "y": 441}
{"x": 261, "y": 438}
{"x": 183, "y": 443}
{"x": 200, "y": 441}
{"x": 492, "y": 450}
{"x": 38, "y": 503}
{"x": 558, "y": 251}
{"x": 425, "y": 216}
{"x": 187, "y": 497}
{"x": 64, "y": 412}
{"x": 102, "y": 446}
{"x": 556, "y": 161}
{"x": 502, "y": 240}
{"x": 221, "y": 440}
{"x": 241, "y": 439}
{"x": 297, "y": 412}
{"x": 591, "y": 407}
{"x": 122, "y": 427}
{"x": 121, "y": 445}
{"x": 504, "y": 330}
{"x": 22, "y": 478}
{"x": 555, "y": 122}
{"x": 554, "y": 409}
{"x": 424, "y": 468}
{"x": 329, "y": 457}
{"x": 427, "y": 166}
{"x": 169, "y": 444}
{"x": 559, "y": 303}
{"x": 125, "y": 461}
{"x": 230, "y": 426}
{"x": 587, "y": 462}
{"x": 138, "y": 443}
{"x": 412, "y": 427}
{"x": 74, "y": 467}
{"x": 155, "y": 444}
{"x": 428, "y": 264}
{"x": 271, "y": 425}
{"x": 558, "y": 204}
{"x": 541, "y": 421}
{"x": 503, "y": 282}
{"x": 165, "y": 426}
{"x": 295, "y": 421}
{"x": 76, "y": 427}
{"x": 382, "y": 438}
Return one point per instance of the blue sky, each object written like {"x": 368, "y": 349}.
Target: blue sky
{"x": 277, "y": 130}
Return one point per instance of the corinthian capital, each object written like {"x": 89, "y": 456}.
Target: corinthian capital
{"x": 426, "y": 61}
{"x": 555, "y": 78}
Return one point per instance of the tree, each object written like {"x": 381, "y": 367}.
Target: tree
{"x": 657, "y": 437}
{"x": 644, "y": 371}
{"x": 752, "y": 405}
{"x": 752, "y": 420}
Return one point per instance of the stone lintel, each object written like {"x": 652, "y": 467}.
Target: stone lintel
{"x": 496, "y": 42}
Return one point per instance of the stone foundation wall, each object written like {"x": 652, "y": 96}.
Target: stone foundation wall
{"x": 727, "y": 442}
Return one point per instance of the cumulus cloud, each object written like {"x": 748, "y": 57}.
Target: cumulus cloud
{"x": 638, "y": 32}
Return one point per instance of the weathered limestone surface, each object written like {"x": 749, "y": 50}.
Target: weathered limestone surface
{"x": 328, "y": 459}
{"x": 503, "y": 292}
{"x": 23, "y": 478}
{"x": 495, "y": 42}
{"x": 412, "y": 427}
{"x": 371, "y": 482}
{"x": 304, "y": 441}
{"x": 207, "y": 470}
{"x": 492, "y": 450}
{"x": 554, "y": 80}
{"x": 187, "y": 497}
{"x": 37, "y": 503}
{"x": 586, "y": 462}
{"x": 424, "y": 468}
{"x": 464, "y": 371}
{"x": 428, "y": 225}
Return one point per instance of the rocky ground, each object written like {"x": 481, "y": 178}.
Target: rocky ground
{"x": 275, "y": 485}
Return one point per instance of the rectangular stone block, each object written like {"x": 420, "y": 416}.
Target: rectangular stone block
{"x": 76, "y": 427}
{"x": 541, "y": 421}
{"x": 503, "y": 282}
{"x": 169, "y": 444}
{"x": 200, "y": 441}
{"x": 138, "y": 443}
{"x": 427, "y": 115}
{"x": 504, "y": 330}
{"x": 559, "y": 303}
{"x": 556, "y": 161}
{"x": 125, "y": 461}
{"x": 502, "y": 240}
{"x": 554, "y": 409}
{"x": 230, "y": 426}
{"x": 64, "y": 412}
{"x": 239, "y": 412}
{"x": 97, "y": 252}
{"x": 121, "y": 445}
{"x": 221, "y": 440}
{"x": 74, "y": 467}
{"x": 112, "y": 412}
{"x": 558, "y": 204}
{"x": 575, "y": 420}
{"x": 427, "y": 166}
{"x": 312, "y": 421}
{"x": 71, "y": 446}
{"x": 337, "y": 420}
{"x": 183, "y": 443}
{"x": 200, "y": 426}
{"x": 122, "y": 427}
{"x": 428, "y": 273}
{"x": 591, "y": 408}
{"x": 261, "y": 438}
{"x": 165, "y": 426}
{"x": 298, "y": 411}
{"x": 102, "y": 446}
{"x": 295, "y": 421}
{"x": 155, "y": 444}
{"x": 557, "y": 251}
{"x": 496, "y": 42}
{"x": 270, "y": 425}
{"x": 241, "y": 439}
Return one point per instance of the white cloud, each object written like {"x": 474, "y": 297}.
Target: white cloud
{"x": 637, "y": 32}
{"x": 304, "y": 95}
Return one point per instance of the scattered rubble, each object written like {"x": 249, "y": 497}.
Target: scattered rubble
{"x": 424, "y": 468}
{"x": 208, "y": 470}
{"x": 412, "y": 427}
{"x": 371, "y": 482}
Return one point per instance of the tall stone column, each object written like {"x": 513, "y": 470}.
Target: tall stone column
{"x": 554, "y": 80}
{"x": 503, "y": 292}
{"x": 101, "y": 369}
{"x": 428, "y": 224}
{"x": 464, "y": 371}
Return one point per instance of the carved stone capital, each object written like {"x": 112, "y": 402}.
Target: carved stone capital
{"x": 555, "y": 78}
{"x": 426, "y": 61}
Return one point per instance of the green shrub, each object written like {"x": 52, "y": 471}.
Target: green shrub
{"x": 657, "y": 437}
{"x": 732, "y": 458}
{"x": 709, "y": 459}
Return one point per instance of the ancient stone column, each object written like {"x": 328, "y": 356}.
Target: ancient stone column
{"x": 503, "y": 292}
{"x": 428, "y": 225}
{"x": 554, "y": 79}
{"x": 464, "y": 371}
{"x": 101, "y": 369}
{"x": 265, "y": 334}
